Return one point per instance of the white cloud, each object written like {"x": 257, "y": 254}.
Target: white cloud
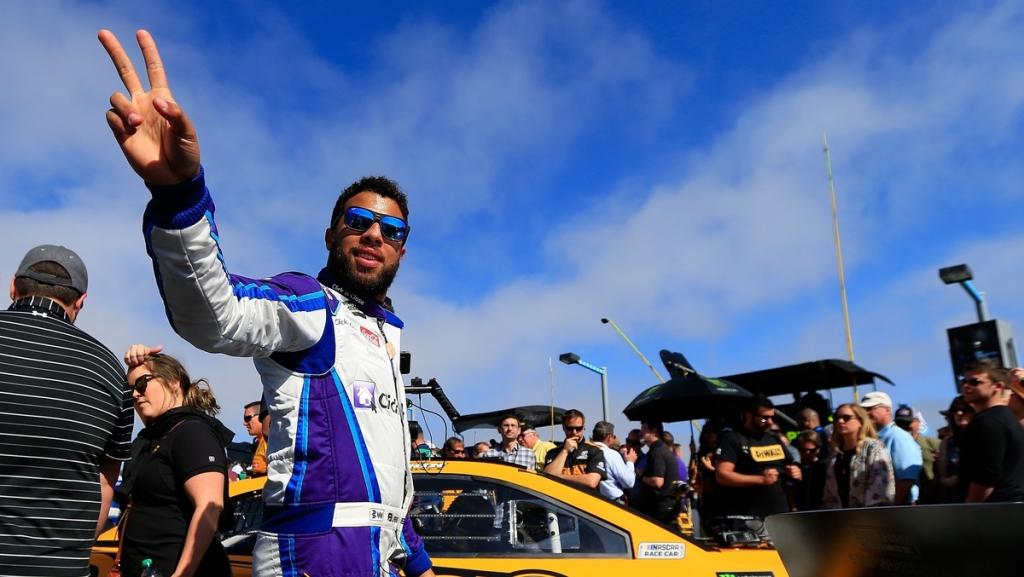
{"x": 742, "y": 225}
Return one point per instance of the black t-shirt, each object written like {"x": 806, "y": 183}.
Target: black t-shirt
{"x": 659, "y": 503}
{"x": 842, "y": 472}
{"x": 751, "y": 456}
{"x": 992, "y": 454}
{"x": 586, "y": 458}
{"x": 172, "y": 450}
{"x": 808, "y": 492}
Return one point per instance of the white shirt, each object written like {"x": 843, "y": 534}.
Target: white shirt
{"x": 621, "y": 474}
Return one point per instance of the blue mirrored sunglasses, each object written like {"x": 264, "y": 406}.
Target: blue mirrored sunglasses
{"x": 361, "y": 219}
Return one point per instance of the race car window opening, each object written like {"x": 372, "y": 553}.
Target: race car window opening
{"x": 247, "y": 511}
{"x": 464, "y": 516}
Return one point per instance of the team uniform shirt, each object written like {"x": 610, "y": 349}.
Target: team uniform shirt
{"x": 64, "y": 405}
{"x": 338, "y": 481}
{"x": 586, "y": 458}
{"x": 521, "y": 455}
{"x": 752, "y": 455}
{"x": 992, "y": 454}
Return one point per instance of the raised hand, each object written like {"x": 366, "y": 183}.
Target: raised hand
{"x": 136, "y": 354}
{"x": 155, "y": 136}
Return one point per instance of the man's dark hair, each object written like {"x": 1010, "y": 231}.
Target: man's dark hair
{"x": 251, "y": 405}
{"x": 992, "y": 368}
{"x": 510, "y": 416}
{"x": 450, "y": 443}
{"x": 601, "y": 430}
{"x": 655, "y": 426}
{"x": 30, "y": 287}
{"x": 573, "y": 414}
{"x": 668, "y": 438}
{"x": 378, "y": 184}
{"x": 415, "y": 431}
{"x": 808, "y": 436}
{"x": 759, "y": 402}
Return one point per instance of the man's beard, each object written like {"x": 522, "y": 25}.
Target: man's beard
{"x": 360, "y": 284}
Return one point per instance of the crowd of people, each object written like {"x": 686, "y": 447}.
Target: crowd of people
{"x": 872, "y": 453}
{"x": 645, "y": 471}
{"x": 867, "y": 454}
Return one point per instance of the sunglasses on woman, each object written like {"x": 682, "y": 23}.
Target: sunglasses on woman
{"x": 845, "y": 418}
{"x": 361, "y": 219}
{"x": 140, "y": 384}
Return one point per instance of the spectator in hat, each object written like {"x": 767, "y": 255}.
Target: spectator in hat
{"x": 66, "y": 422}
{"x": 947, "y": 464}
{"x": 903, "y": 450}
{"x": 912, "y": 422}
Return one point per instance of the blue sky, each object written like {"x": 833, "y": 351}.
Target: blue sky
{"x": 660, "y": 165}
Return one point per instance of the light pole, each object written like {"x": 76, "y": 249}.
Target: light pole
{"x": 574, "y": 359}
{"x": 961, "y": 274}
{"x": 629, "y": 342}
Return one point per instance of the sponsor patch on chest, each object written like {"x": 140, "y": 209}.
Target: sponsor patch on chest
{"x": 363, "y": 394}
{"x": 370, "y": 336}
{"x": 767, "y": 453}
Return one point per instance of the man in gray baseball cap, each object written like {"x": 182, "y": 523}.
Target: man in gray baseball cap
{"x": 57, "y": 486}
{"x": 78, "y": 277}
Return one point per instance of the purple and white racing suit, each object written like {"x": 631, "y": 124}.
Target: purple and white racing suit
{"x": 338, "y": 482}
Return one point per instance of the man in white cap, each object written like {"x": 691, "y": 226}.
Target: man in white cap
{"x": 904, "y": 450}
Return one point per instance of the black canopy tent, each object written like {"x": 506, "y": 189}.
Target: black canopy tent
{"x": 692, "y": 396}
{"x": 805, "y": 377}
{"x": 534, "y": 415}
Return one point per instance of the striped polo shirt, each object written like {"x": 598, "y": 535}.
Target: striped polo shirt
{"x": 64, "y": 404}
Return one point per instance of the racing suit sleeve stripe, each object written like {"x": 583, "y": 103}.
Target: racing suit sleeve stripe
{"x": 417, "y": 560}
{"x": 212, "y": 309}
{"x": 293, "y": 492}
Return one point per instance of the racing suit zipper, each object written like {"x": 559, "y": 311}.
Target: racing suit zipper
{"x": 394, "y": 378}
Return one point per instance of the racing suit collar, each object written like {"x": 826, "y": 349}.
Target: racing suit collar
{"x": 370, "y": 306}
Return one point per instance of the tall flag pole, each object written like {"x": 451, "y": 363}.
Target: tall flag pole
{"x": 551, "y": 379}
{"x": 839, "y": 256}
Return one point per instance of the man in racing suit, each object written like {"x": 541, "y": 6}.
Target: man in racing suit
{"x": 338, "y": 485}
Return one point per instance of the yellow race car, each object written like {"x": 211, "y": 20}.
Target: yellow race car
{"x": 486, "y": 518}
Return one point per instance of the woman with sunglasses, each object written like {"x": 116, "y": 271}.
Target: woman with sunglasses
{"x": 860, "y": 473}
{"x": 175, "y": 485}
{"x": 947, "y": 464}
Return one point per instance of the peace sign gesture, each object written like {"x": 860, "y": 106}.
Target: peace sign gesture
{"x": 156, "y": 137}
